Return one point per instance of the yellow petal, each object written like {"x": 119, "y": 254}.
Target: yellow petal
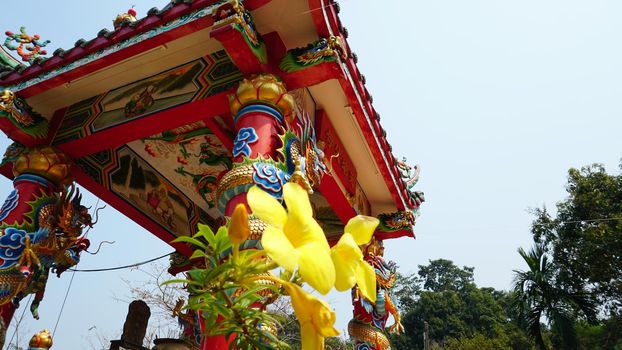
{"x": 266, "y": 207}
{"x": 304, "y": 230}
{"x": 366, "y": 281}
{"x": 323, "y": 320}
{"x": 310, "y": 339}
{"x": 297, "y": 200}
{"x": 279, "y": 249}
{"x": 316, "y": 267}
{"x": 239, "y": 229}
{"x": 362, "y": 228}
{"x": 314, "y": 315}
{"x": 345, "y": 255}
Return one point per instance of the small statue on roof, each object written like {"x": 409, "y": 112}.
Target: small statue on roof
{"x": 125, "y": 18}
{"x": 29, "y": 48}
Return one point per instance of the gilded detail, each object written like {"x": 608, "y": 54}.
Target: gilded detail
{"x": 262, "y": 88}
{"x": 44, "y": 161}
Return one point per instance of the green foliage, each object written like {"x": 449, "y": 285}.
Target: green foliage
{"x": 537, "y": 295}
{"x": 607, "y": 334}
{"x": 477, "y": 342}
{"x": 574, "y": 270}
{"x": 458, "y": 313}
{"x": 227, "y": 292}
{"x": 441, "y": 275}
{"x": 585, "y": 236}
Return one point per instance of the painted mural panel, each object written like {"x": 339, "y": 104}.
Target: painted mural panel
{"x": 138, "y": 183}
{"x": 148, "y": 96}
{"x": 192, "y": 157}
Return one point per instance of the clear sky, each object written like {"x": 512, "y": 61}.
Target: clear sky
{"x": 495, "y": 99}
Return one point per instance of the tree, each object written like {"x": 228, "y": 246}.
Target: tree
{"x": 457, "y": 311}
{"x": 585, "y": 236}
{"x": 441, "y": 275}
{"x": 538, "y": 295}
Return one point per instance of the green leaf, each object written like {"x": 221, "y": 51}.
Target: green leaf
{"x": 207, "y": 233}
{"x": 197, "y": 254}
{"x": 191, "y": 240}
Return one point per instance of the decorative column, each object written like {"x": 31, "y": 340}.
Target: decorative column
{"x": 368, "y": 328}
{"x": 40, "y": 224}
{"x": 260, "y": 108}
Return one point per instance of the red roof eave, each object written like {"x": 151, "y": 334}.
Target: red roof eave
{"x": 105, "y": 40}
{"x": 327, "y": 21}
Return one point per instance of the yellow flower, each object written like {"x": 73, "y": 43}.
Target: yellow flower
{"x": 239, "y": 230}
{"x": 314, "y": 315}
{"x": 350, "y": 267}
{"x": 293, "y": 238}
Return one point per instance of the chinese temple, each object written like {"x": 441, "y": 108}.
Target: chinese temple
{"x": 173, "y": 116}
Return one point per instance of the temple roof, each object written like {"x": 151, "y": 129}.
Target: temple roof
{"x": 183, "y": 31}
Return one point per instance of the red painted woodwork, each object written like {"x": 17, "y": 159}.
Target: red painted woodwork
{"x": 55, "y": 124}
{"x": 149, "y": 125}
{"x": 335, "y": 154}
{"x": 238, "y": 49}
{"x": 327, "y": 23}
{"x": 219, "y": 132}
{"x": 334, "y": 196}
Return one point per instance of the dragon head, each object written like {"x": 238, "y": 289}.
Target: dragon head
{"x": 72, "y": 216}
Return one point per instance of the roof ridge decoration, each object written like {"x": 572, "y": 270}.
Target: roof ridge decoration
{"x": 124, "y": 18}
{"x": 29, "y": 48}
{"x": 107, "y": 50}
{"x": 410, "y": 176}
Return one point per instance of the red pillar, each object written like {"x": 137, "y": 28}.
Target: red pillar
{"x": 260, "y": 106}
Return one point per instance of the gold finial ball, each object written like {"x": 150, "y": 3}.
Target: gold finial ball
{"x": 41, "y": 341}
{"x": 46, "y": 162}
{"x": 126, "y": 17}
{"x": 262, "y": 88}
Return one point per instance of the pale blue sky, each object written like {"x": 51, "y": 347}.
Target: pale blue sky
{"x": 495, "y": 99}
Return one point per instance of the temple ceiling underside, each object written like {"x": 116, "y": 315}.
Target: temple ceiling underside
{"x": 148, "y": 122}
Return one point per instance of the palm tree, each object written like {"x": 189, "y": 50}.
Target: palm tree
{"x": 537, "y": 295}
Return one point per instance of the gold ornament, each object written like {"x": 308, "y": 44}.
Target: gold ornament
{"x": 46, "y": 162}
{"x": 262, "y": 88}
{"x": 7, "y": 102}
{"x": 41, "y": 340}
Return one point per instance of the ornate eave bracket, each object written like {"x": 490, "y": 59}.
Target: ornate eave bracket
{"x": 235, "y": 29}
{"x": 400, "y": 223}
{"x": 20, "y": 122}
{"x": 321, "y": 51}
